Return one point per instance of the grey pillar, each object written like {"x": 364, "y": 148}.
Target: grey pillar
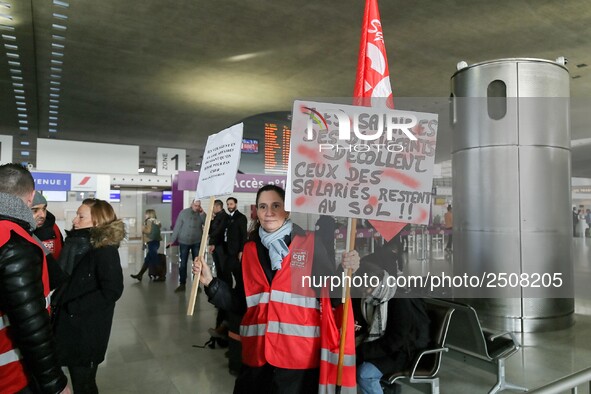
{"x": 511, "y": 190}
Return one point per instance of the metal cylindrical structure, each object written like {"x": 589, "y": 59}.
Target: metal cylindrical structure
{"x": 511, "y": 188}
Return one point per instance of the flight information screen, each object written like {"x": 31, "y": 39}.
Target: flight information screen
{"x": 277, "y": 137}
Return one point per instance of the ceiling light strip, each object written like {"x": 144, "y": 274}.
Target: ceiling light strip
{"x": 59, "y": 3}
{"x": 57, "y": 52}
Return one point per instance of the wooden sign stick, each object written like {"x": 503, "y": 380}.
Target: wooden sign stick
{"x": 351, "y": 235}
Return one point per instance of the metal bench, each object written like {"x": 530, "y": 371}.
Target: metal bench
{"x": 476, "y": 346}
{"x": 425, "y": 367}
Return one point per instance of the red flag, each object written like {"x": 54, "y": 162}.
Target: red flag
{"x": 373, "y": 81}
{"x": 373, "y": 75}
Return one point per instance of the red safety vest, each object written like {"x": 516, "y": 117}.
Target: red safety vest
{"x": 54, "y": 245}
{"x": 13, "y": 377}
{"x": 331, "y": 334}
{"x": 281, "y": 325}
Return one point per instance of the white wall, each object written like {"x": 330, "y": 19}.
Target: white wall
{"x": 76, "y": 156}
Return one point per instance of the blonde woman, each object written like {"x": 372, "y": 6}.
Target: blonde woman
{"x": 84, "y": 306}
{"x": 152, "y": 237}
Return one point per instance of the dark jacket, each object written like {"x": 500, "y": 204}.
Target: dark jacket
{"x": 218, "y": 228}
{"x": 76, "y": 245}
{"x": 406, "y": 332}
{"x": 21, "y": 298}
{"x": 50, "y": 235}
{"x": 86, "y": 305}
{"x": 236, "y": 233}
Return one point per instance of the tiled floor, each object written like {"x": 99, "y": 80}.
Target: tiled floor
{"x": 151, "y": 347}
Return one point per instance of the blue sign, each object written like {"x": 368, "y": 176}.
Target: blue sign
{"x": 52, "y": 181}
{"x": 115, "y": 196}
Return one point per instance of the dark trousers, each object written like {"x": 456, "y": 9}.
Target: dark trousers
{"x": 224, "y": 273}
{"x": 271, "y": 380}
{"x": 184, "y": 250}
{"x": 221, "y": 264}
{"x": 404, "y": 241}
{"x": 83, "y": 379}
{"x": 152, "y": 255}
{"x": 449, "y": 241}
{"x": 234, "y": 355}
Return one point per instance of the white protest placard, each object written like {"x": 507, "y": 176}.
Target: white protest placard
{"x": 361, "y": 162}
{"x": 220, "y": 162}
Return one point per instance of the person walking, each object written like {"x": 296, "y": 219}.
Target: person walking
{"x": 151, "y": 237}
{"x": 448, "y": 224}
{"x": 188, "y": 230}
{"x": 84, "y": 307}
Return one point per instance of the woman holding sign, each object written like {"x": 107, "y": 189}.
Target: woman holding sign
{"x": 281, "y": 318}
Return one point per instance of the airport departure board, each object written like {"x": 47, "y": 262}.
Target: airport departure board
{"x": 277, "y": 137}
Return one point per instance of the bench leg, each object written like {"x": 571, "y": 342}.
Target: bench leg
{"x": 502, "y": 383}
{"x": 435, "y": 386}
{"x": 434, "y": 383}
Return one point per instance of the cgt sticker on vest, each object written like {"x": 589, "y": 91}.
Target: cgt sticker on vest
{"x": 299, "y": 258}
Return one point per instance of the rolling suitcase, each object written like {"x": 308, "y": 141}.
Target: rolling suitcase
{"x": 158, "y": 271}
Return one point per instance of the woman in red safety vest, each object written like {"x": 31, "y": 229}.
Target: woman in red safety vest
{"x": 280, "y": 328}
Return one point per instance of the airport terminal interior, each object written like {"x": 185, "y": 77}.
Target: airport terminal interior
{"x": 152, "y": 344}
{"x": 117, "y": 100}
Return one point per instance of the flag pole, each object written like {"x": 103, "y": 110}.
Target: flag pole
{"x": 202, "y": 249}
{"x": 351, "y": 235}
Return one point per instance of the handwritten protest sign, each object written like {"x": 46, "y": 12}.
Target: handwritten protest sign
{"x": 220, "y": 162}
{"x": 361, "y": 162}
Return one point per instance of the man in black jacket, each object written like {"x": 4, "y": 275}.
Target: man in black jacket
{"x": 406, "y": 333}
{"x": 235, "y": 234}
{"x": 47, "y": 231}
{"x": 235, "y": 239}
{"x": 27, "y": 362}
{"x": 217, "y": 230}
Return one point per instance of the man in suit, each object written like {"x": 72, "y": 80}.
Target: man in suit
{"x": 217, "y": 231}
{"x": 235, "y": 234}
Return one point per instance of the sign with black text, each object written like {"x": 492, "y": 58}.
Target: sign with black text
{"x": 361, "y": 162}
{"x": 171, "y": 161}
{"x": 220, "y": 162}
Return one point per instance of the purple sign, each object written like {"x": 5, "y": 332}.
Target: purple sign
{"x": 244, "y": 183}
{"x": 51, "y": 181}
{"x": 247, "y": 183}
